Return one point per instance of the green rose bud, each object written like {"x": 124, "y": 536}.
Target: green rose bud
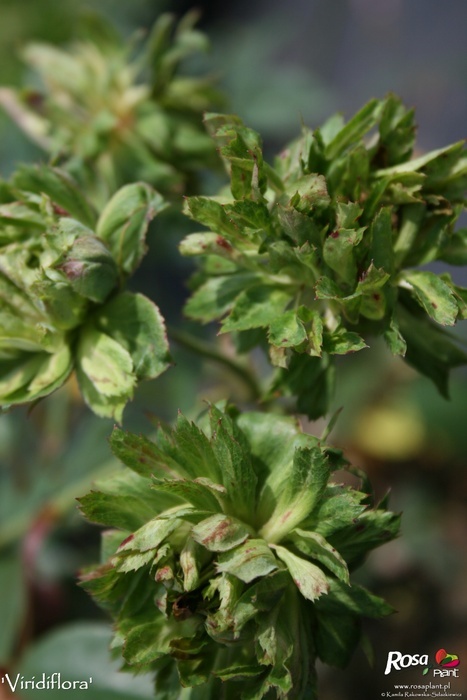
{"x": 90, "y": 269}
{"x": 230, "y": 554}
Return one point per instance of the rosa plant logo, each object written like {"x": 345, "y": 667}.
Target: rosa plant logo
{"x": 446, "y": 661}
{"x": 397, "y": 661}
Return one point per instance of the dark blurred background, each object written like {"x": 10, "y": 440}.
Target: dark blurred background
{"x": 280, "y": 63}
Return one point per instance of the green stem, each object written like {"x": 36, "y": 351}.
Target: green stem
{"x": 209, "y": 351}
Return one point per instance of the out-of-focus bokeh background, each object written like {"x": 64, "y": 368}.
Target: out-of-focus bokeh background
{"x": 280, "y": 63}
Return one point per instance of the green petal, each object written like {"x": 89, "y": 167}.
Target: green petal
{"x": 309, "y": 579}
{"x": 124, "y": 222}
{"x": 137, "y": 325}
{"x": 248, "y": 561}
{"x": 220, "y": 532}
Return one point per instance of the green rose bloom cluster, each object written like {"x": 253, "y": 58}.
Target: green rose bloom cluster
{"x": 227, "y": 565}
{"x": 62, "y": 301}
{"x": 312, "y": 256}
{"x": 113, "y": 115}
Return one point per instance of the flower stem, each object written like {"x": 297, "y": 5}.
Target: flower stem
{"x": 209, "y": 351}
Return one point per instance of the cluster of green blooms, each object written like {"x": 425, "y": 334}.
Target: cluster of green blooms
{"x": 311, "y": 256}
{"x": 113, "y": 118}
{"x": 62, "y": 302}
{"x": 227, "y": 565}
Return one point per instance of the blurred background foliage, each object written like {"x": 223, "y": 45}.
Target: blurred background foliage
{"x": 279, "y": 63}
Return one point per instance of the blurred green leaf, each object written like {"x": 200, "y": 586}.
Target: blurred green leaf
{"x": 60, "y": 187}
{"x": 13, "y": 602}
{"x": 115, "y": 115}
{"x": 80, "y": 651}
{"x": 256, "y": 308}
{"x": 311, "y": 380}
{"x": 430, "y": 349}
{"x": 337, "y": 635}
{"x": 217, "y": 295}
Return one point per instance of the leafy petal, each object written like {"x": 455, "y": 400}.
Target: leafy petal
{"x": 287, "y": 330}
{"x": 297, "y": 491}
{"x": 238, "y": 475}
{"x": 309, "y": 579}
{"x": 105, "y": 373}
{"x": 60, "y": 187}
{"x": 150, "y": 640}
{"x": 137, "y": 325}
{"x": 251, "y": 559}
{"x": 435, "y": 296}
{"x": 198, "y": 494}
{"x": 219, "y": 533}
{"x": 256, "y": 308}
{"x": 217, "y": 295}
{"x": 124, "y": 222}
{"x": 139, "y": 454}
{"x": 150, "y": 536}
{"x": 314, "y": 545}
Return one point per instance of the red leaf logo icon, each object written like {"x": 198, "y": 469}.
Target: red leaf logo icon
{"x": 440, "y": 654}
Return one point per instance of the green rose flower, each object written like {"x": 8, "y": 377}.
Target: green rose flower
{"x": 227, "y": 568}
{"x": 312, "y": 256}
{"x": 115, "y": 117}
{"x": 62, "y": 303}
